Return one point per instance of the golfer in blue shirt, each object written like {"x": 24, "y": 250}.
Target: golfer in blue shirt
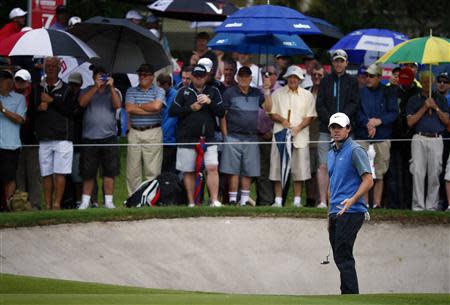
{"x": 350, "y": 178}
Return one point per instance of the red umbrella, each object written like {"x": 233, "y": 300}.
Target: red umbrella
{"x": 200, "y": 149}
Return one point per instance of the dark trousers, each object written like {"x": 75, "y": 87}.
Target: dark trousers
{"x": 342, "y": 234}
{"x": 264, "y": 187}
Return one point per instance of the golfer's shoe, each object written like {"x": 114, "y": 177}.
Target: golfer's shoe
{"x": 108, "y": 205}
{"x": 216, "y": 204}
{"x": 448, "y": 209}
{"x": 322, "y": 205}
{"x": 83, "y": 206}
{"x": 191, "y": 205}
{"x": 296, "y": 204}
{"x": 276, "y": 205}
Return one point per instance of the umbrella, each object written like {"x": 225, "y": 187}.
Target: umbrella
{"x": 367, "y": 45}
{"x": 284, "y": 145}
{"x": 45, "y": 42}
{"x": 122, "y": 45}
{"x": 425, "y": 50}
{"x": 193, "y": 10}
{"x": 268, "y": 19}
{"x": 260, "y": 44}
{"x": 200, "y": 149}
{"x": 329, "y": 34}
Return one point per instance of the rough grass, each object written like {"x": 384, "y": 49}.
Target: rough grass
{"x": 40, "y": 218}
{"x": 39, "y": 291}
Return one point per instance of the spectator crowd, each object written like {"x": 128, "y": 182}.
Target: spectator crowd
{"x": 53, "y": 133}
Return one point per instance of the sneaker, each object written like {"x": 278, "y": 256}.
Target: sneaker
{"x": 276, "y": 205}
{"x": 191, "y": 205}
{"x": 322, "y": 205}
{"x": 251, "y": 202}
{"x": 448, "y": 209}
{"x": 83, "y": 206}
{"x": 216, "y": 204}
{"x": 109, "y": 205}
{"x": 297, "y": 205}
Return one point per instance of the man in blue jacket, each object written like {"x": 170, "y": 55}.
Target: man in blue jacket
{"x": 374, "y": 123}
{"x": 350, "y": 178}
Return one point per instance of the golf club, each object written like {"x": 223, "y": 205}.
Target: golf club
{"x": 326, "y": 261}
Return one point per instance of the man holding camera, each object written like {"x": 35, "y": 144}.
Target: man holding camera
{"x": 100, "y": 102}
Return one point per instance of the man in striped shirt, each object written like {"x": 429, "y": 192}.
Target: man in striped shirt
{"x": 144, "y": 104}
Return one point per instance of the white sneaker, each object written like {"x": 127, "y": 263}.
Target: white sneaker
{"x": 297, "y": 205}
{"x": 83, "y": 206}
{"x": 322, "y": 205}
{"x": 109, "y": 205}
{"x": 216, "y": 204}
{"x": 448, "y": 209}
{"x": 276, "y": 205}
{"x": 191, "y": 205}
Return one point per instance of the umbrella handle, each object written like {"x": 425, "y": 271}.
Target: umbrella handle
{"x": 289, "y": 116}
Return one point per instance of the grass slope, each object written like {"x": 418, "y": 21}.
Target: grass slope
{"x": 39, "y": 218}
{"x": 36, "y": 291}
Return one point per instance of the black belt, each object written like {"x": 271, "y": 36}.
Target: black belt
{"x": 142, "y": 128}
{"x": 429, "y": 134}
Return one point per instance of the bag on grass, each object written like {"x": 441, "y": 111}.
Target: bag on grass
{"x": 146, "y": 194}
{"x": 171, "y": 189}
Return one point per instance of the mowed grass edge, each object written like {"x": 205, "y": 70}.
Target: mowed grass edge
{"x": 41, "y": 218}
{"x": 32, "y": 290}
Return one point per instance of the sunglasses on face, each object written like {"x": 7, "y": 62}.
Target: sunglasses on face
{"x": 317, "y": 75}
{"x": 371, "y": 75}
{"x": 442, "y": 82}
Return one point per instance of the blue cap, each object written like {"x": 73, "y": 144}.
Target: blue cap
{"x": 362, "y": 70}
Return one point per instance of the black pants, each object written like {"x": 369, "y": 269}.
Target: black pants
{"x": 342, "y": 234}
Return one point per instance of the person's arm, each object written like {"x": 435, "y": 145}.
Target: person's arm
{"x": 223, "y": 126}
{"x": 352, "y": 104}
{"x": 179, "y": 106}
{"x": 391, "y": 114}
{"x": 12, "y": 116}
{"x": 322, "y": 111}
{"x": 216, "y": 104}
{"x": 65, "y": 103}
{"x": 116, "y": 97}
{"x": 305, "y": 122}
{"x": 267, "y": 104}
{"x": 364, "y": 187}
{"x": 86, "y": 97}
{"x": 413, "y": 118}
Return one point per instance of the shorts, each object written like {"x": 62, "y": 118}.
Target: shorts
{"x": 382, "y": 156}
{"x": 300, "y": 164}
{"x": 186, "y": 158}
{"x": 240, "y": 159}
{"x": 9, "y": 160}
{"x": 323, "y": 147}
{"x": 55, "y": 157}
{"x": 99, "y": 155}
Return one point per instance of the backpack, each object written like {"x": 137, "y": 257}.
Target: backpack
{"x": 146, "y": 194}
{"x": 171, "y": 189}
{"x": 19, "y": 202}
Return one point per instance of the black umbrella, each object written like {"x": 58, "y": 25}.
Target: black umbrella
{"x": 121, "y": 44}
{"x": 193, "y": 10}
{"x": 329, "y": 34}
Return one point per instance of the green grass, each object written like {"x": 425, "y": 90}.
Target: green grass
{"x": 31, "y": 290}
{"x": 39, "y": 218}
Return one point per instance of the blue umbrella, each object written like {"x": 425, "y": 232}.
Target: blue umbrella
{"x": 329, "y": 34}
{"x": 260, "y": 44}
{"x": 268, "y": 19}
{"x": 367, "y": 45}
{"x": 284, "y": 145}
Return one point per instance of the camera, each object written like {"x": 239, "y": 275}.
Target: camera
{"x": 104, "y": 77}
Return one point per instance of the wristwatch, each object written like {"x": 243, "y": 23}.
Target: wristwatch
{"x": 3, "y": 110}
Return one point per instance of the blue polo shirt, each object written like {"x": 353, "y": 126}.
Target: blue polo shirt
{"x": 242, "y": 110}
{"x": 169, "y": 123}
{"x": 427, "y": 123}
{"x": 9, "y": 131}
{"x": 346, "y": 165}
{"x": 137, "y": 95}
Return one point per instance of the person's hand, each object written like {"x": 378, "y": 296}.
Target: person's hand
{"x": 194, "y": 58}
{"x": 371, "y": 132}
{"x": 344, "y": 206}
{"x": 196, "y": 106}
{"x": 43, "y": 107}
{"x": 46, "y": 98}
{"x": 110, "y": 82}
{"x": 203, "y": 99}
{"x": 295, "y": 130}
{"x": 374, "y": 122}
{"x": 286, "y": 124}
{"x": 431, "y": 103}
{"x": 266, "y": 83}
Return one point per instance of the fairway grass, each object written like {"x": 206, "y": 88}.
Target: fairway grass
{"x": 36, "y": 291}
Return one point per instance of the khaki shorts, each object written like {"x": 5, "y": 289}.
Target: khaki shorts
{"x": 186, "y": 158}
{"x": 300, "y": 164}
{"x": 382, "y": 156}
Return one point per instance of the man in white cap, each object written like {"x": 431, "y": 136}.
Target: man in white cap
{"x": 292, "y": 107}
{"x": 134, "y": 16}
{"x": 17, "y": 17}
{"x": 350, "y": 178}
{"x": 211, "y": 80}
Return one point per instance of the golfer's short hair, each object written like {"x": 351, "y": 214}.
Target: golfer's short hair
{"x": 426, "y": 75}
{"x": 230, "y": 61}
{"x": 203, "y": 35}
{"x": 54, "y": 59}
{"x": 318, "y": 66}
{"x": 186, "y": 69}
